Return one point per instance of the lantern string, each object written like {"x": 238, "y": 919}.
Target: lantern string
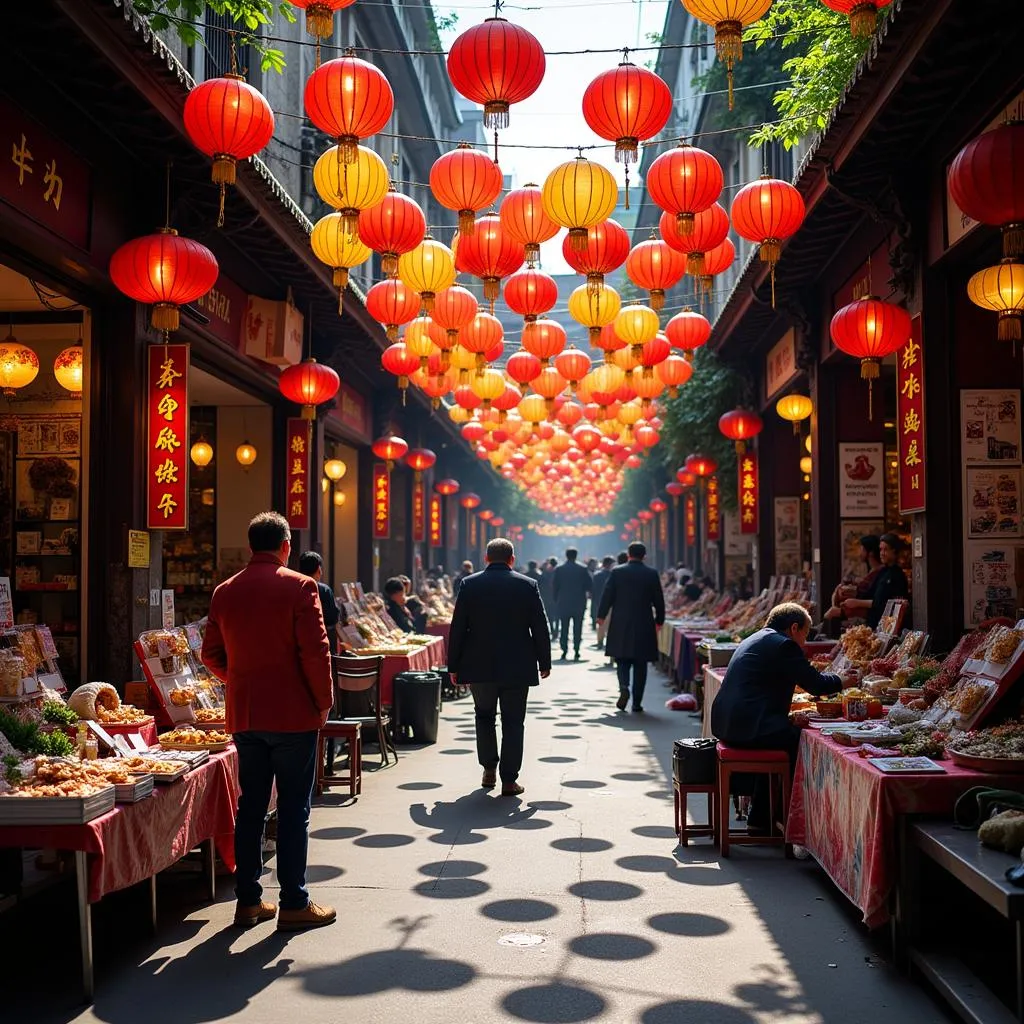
{"x": 233, "y": 58}
{"x": 167, "y": 195}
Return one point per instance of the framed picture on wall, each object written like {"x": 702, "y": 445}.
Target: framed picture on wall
{"x": 993, "y": 500}
{"x": 787, "y": 535}
{"x": 990, "y": 426}
{"x": 861, "y": 480}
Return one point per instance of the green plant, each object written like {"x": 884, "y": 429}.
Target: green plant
{"x": 54, "y": 744}
{"x": 12, "y": 773}
{"x": 57, "y": 713}
{"x": 27, "y": 737}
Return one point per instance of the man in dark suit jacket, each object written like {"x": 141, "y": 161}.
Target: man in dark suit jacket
{"x": 752, "y": 708}
{"x": 311, "y": 564}
{"x": 498, "y": 638}
{"x": 572, "y": 584}
{"x": 599, "y": 583}
{"x": 265, "y": 638}
{"x": 633, "y": 592}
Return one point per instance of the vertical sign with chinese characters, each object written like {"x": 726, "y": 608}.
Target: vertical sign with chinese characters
{"x": 381, "y": 502}
{"x": 297, "y": 494}
{"x": 472, "y": 529}
{"x": 419, "y": 512}
{"x": 714, "y": 511}
{"x": 663, "y": 530}
{"x": 435, "y": 521}
{"x": 690, "y": 519}
{"x": 910, "y": 420}
{"x": 747, "y": 490}
{"x": 167, "y": 444}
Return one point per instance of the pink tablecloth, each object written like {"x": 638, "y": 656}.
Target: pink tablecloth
{"x": 441, "y": 629}
{"x": 134, "y": 841}
{"x": 844, "y": 811}
{"x": 422, "y": 660}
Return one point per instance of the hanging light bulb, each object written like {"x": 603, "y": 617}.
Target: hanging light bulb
{"x": 335, "y": 469}
{"x": 339, "y": 498}
{"x": 201, "y": 453}
{"x": 19, "y": 365}
{"x": 246, "y": 454}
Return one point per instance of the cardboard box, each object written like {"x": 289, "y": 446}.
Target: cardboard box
{"x": 272, "y": 331}
{"x": 138, "y": 695}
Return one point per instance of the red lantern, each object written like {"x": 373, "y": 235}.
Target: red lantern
{"x": 496, "y": 64}
{"x": 420, "y": 459}
{"x": 606, "y": 250}
{"x": 587, "y": 438}
{"x": 165, "y": 271}
{"x": 657, "y": 506}
{"x": 481, "y": 335}
{"x": 684, "y": 181}
{"x": 394, "y": 226}
{"x": 470, "y": 501}
{"x": 701, "y": 465}
{"x": 544, "y": 338}
{"x": 486, "y": 515}
{"x": 309, "y": 384}
{"x": 688, "y": 330}
{"x": 229, "y": 120}
{"x": 349, "y": 99}
{"x": 570, "y": 414}
{"x": 392, "y": 304}
{"x": 320, "y": 15}
{"x": 674, "y": 488}
{"x": 488, "y": 253}
{"x": 467, "y": 398}
{"x": 646, "y": 437}
{"x": 573, "y": 365}
{"x": 685, "y": 477}
{"x": 454, "y": 309}
{"x": 986, "y": 180}
{"x": 473, "y": 431}
{"x": 608, "y": 340}
{"x": 739, "y": 425}
{"x": 467, "y": 181}
{"x": 530, "y": 292}
{"x": 863, "y": 14}
{"x": 655, "y": 266}
{"x": 674, "y": 372}
{"x": 523, "y": 217}
{"x": 710, "y": 228}
{"x": 626, "y": 106}
{"x": 717, "y": 261}
{"x": 654, "y": 352}
{"x": 398, "y": 360}
{"x": 390, "y": 449}
{"x": 447, "y": 487}
{"x": 768, "y": 211}
{"x": 523, "y": 367}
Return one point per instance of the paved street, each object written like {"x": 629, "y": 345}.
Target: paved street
{"x": 569, "y": 904}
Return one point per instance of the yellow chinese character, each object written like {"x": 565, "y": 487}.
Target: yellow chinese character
{"x": 748, "y": 481}
{"x": 911, "y": 422}
{"x": 911, "y": 387}
{"x": 168, "y": 374}
{"x": 915, "y": 482}
{"x": 748, "y": 515}
{"x": 298, "y": 445}
{"x": 297, "y": 487}
{"x": 166, "y": 472}
{"x": 910, "y": 351}
{"x": 167, "y": 407}
{"x": 297, "y": 467}
{"x": 166, "y": 440}
{"x": 167, "y": 505}
{"x": 54, "y": 185}
{"x": 913, "y": 455}
{"x": 297, "y": 507}
{"x": 748, "y": 498}
{"x": 748, "y": 465}
{"x": 21, "y": 158}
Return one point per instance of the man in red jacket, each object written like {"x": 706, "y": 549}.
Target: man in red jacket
{"x": 265, "y": 638}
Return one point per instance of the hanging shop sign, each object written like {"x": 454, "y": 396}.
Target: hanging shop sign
{"x": 910, "y": 421}
{"x": 780, "y": 363}
{"x": 690, "y": 519}
{"x": 861, "y": 481}
{"x": 167, "y": 444}
{"x": 419, "y": 512}
{"x": 663, "y": 530}
{"x": 713, "y": 515}
{"x": 224, "y": 306}
{"x": 297, "y": 481}
{"x": 747, "y": 487}
{"x": 381, "y": 501}
{"x": 435, "y": 521}
{"x": 272, "y": 331}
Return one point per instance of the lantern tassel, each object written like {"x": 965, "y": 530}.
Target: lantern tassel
{"x": 627, "y": 186}
{"x": 467, "y": 222}
{"x": 391, "y": 332}
{"x": 657, "y": 299}
{"x": 595, "y": 282}
{"x": 220, "y": 205}
{"x": 389, "y": 264}
{"x": 1009, "y": 327}
{"x": 862, "y": 20}
{"x": 578, "y": 239}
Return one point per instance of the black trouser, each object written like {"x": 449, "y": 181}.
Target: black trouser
{"x": 552, "y": 613}
{"x": 787, "y": 739}
{"x": 576, "y": 618}
{"x": 639, "y": 667}
{"x": 487, "y": 697}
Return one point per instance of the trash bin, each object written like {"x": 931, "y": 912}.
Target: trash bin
{"x": 417, "y": 706}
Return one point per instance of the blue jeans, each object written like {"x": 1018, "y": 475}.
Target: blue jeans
{"x": 289, "y": 759}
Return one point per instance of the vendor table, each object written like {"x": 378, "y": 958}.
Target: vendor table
{"x": 421, "y": 660}
{"x": 134, "y": 842}
{"x": 844, "y": 812}
{"x": 441, "y": 629}
{"x": 147, "y": 731}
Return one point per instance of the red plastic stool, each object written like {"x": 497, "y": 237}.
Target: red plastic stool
{"x": 685, "y": 831}
{"x": 773, "y": 763}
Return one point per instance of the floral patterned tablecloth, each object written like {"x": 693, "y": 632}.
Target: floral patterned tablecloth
{"x": 844, "y": 811}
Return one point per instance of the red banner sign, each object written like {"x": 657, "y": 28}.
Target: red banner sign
{"x": 435, "y": 521}
{"x": 747, "y": 489}
{"x": 714, "y": 511}
{"x": 472, "y": 530}
{"x": 419, "y": 512}
{"x": 690, "y": 519}
{"x": 167, "y": 450}
{"x": 910, "y": 420}
{"x": 663, "y": 529}
{"x": 297, "y": 493}
{"x": 381, "y": 501}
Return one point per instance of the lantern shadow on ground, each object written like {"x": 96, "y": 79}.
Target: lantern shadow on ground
{"x": 582, "y": 845}
{"x": 519, "y": 910}
{"x": 452, "y": 868}
{"x": 337, "y": 832}
{"x": 412, "y": 970}
{"x": 556, "y": 760}
{"x": 696, "y": 1011}
{"x": 693, "y": 925}
{"x": 584, "y": 783}
{"x": 384, "y": 841}
{"x": 646, "y": 862}
{"x": 417, "y": 786}
{"x": 612, "y": 946}
{"x": 556, "y": 1003}
{"x": 605, "y": 890}
{"x": 452, "y": 888}
{"x": 655, "y": 831}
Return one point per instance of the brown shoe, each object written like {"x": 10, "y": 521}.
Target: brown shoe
{"x": 490, "y": 778}
{"x": 312, "y": 916}
{"x": 512, "y": 789}
{"x": 249, "y": 917}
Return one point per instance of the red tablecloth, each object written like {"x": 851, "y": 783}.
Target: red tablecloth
{"x": 148, "y": 731}
{"x": 419, "y": 661}
{"x": 441, "y": 629}
{"x": 134, "y": 841}
{"x": 844, "y": 811}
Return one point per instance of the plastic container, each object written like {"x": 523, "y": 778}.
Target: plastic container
{"x": 417, "y": 706}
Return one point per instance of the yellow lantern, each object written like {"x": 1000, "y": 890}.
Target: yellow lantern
{"x": 809, "y": 445}
{"x": 418, "y": 340}
{"x": 201, "y": 453}
{"x": 245, "y": 453}
{"x": 578, "y": 195}
{"x": 19, "y": 365}
{"x": 626, "y": 359}
{"x": 68, "y": 368}
{"x": 636, "y": 325}
{"x": 533, "y": 409}
{"x": 459, "y": 415}
{"x": 606, "y": 379}
{"x": 339, "y": 499}
{"x": 335, "y": 469}
{"x": 806, "y": 465}
{"x": 629, "y": 413}
{"x": 427, "y": 270}
{"x": 794, "y": 408}
{"x": 350, "y": 187}
{"x": 1001, "y": 289}
{"x": 488, "y": 385}
{"x": 334, "y": 243}
{"x": 594, "y": 309}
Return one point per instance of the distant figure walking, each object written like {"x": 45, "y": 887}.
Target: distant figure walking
{"x": 599, "y": 583}
{"x": 499, "y": 637}
{"x": 547, "y": 595}
{"x": 572, "y": 584}
{"x": 633, "y": 593}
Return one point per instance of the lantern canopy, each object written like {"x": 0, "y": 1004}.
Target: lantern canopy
{"x": 309, "y": 384}
{"x": 1001, "y": 289}
{"x": 626, "y": 106}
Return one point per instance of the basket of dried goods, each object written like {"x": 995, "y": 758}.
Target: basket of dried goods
{"x": 999, "y": 748}
{"x": 90, "y": 697}
{"x": 207, "y": 717}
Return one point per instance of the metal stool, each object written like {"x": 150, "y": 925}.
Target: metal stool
{"x": 684, "y": 831}
{"x": 773, "y": 763}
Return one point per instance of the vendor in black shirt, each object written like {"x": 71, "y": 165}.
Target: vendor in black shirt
{"x": 394, "y": 604}
{"x": 890, "y": 583}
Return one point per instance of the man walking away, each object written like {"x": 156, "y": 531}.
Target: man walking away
{"x": 265, "y": 638}
{"x": 532, "y": 573}
{"x": 572, "y": 585}
{"x": 633, "y": 592}
{"x": 547, "y": 595}
{"x": 499, "y": 637}
{"x": 600, "y": 582}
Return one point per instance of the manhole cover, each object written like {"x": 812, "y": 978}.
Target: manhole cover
{"x": 520, "y": 939}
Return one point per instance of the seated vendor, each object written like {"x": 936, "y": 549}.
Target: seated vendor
{"x": 751, "y": 710}
{"x": 860, "y": 592}
{"x": 394, "y": 604}
{"x": 890, "y": 583}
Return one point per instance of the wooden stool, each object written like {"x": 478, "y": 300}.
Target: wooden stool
{"x": 774, "y": 764}
{"x": 685, "y": 831}
{"x": 351, "y": 732}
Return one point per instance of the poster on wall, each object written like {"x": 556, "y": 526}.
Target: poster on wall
{"x": 990, "y": 426}
{"x": 990, "y": 584}
{"x": 993, "y": 502}
{"x": 735, "y": 542}
{"x": 787, "y": 536}
{"x": 852, "y": 531}
{"x": 861, "y": 480}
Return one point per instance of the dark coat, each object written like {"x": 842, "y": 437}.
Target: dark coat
{"x": 572, "y": 583}
{"x": 632, "y": 592}
{"x": 499, "y": 631}
{"x": 599, "y": 582}
{"x": 546, "y": 585}
{"x": 329, "y": 605}
{"x": 891, "y": 582}
{"x": 400, "y": 614}
{"x": 757, "y": 692}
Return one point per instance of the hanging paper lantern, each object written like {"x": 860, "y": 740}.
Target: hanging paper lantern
{"x": 201, "y": 453}
{"x": 506, "y": 402}
{"x": 1001, "y": 288}
{"x": 708, "y": 229}
{"x": 394, "y": 226}
{"x": 19, "y": 365}
{"x": 657, "y": 506}
{"x": 530, "y": 293}
{"x": 165, "y": 271}
{"x": 69, "y": 369}
{"x": 656, "y": 267}
{"x": 573, "y": 365}
{"x": 768, "y": 211}
{"x": 309, "y": 384}
{"x": 335, "y": 469}
{"x": 523, "y": 367}
{"x": 487, "y": 386}
{"x": 608, "y": 341}
{"x": 421, "y": 338}
{"x": 740, "y": 425}
{"x": 863, "y": 14}
{"x": 496, "y": 64}
{"x": 626, "y": 106}
{"x": 636, "y": 325}
{"x": 686, "y": 477}
{"x": 392, "y": 304}
{"x": 320, "y": 15}
{"x": 674, "y": 488}
{"x": 351, "y": 187}
{"x": 794, "y": 408}
{"x": 606, "y": 250}
{"x": 398, "y": 360}
{"x": 701, "y": 465}
{"x": 653, "y": 352}
{"x": 228, "y": 120}
{"x": 454, "y": 308}
{"x": 716, "y": 261}
{"x": 466, "y": 181}
{"x": 523, "y": 218}
{"x": 427, "y": 270}
{"x": 390, "y": 449}
{"x": 348, "y": 99}
{"x": 420, "y": 460}
{"x": 674, "y": 372}
{"x": 578, "y": 195}
{"x": 473, "y": 431}
{"x": 487, "y": 253}
{"x": 688, "y": 330}
{"x": 685, "y": 181}
{"x": 332, "y": 243}
{"x": 544, "y": 338}
{"x": 481, "y": 335}
{"x": 595, "y": 309}
{"x": 533, "y": 409}
{"x": 470, "y": 501}
{"x": 245, "y": 455}
{"x": 447, "y": 487}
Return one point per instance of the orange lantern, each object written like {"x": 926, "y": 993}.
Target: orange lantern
{"x": 740, "y": 425}
{"x": 394, "y": 226}
{"x": 626, "y": 106}
{"x": 480, "y": 336}
{"x": 606, "y": 249}
{"x": 674, "y": 372}
{"x": 685, "y": 181}
{"x": 392, "y": 304}
{"x": 573, "y": 365}
{"x": 768, "y": 211}
{"x": 454, "y": 309}
{"x": 420, "y": 459}
{"x": 544, "y": 338}
{"x": 655, "y": 266}
{"x": 467, "y": 181}
{"x": 488, "y": 253}
{"x": 523, "y": 367}
{"x": 863, "y": 14}
{"x": 523, "y": 218}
